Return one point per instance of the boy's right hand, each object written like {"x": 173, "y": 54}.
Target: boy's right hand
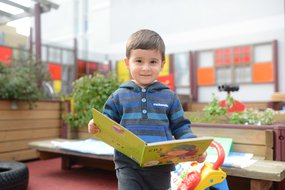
{"x": 92, "y": 128}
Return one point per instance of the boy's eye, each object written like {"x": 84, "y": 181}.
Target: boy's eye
{"x": 153, "y": 62}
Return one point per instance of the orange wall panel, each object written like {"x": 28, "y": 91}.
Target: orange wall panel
{"x": 55, "y": 71}
{"x": 262, "y": 72}
{"x": 206, "y": 76}
{"x": 5, "y": 54}
{"x": 168, "y": 80}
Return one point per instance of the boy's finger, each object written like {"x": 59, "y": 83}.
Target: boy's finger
{"x": 95, "y": 130}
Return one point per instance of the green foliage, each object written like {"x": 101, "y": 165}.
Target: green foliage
{"x": 253, "y": 117}
{"x": 214, "y": 113}
{"x": 214, "y": 109}
{"x": 20, "y": 81}
{"x": 230, "y": 101}
{"x": 203, "y": 118}
{"x": 89, "y": 92}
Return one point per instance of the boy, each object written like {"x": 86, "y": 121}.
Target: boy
{"x": 147, "y": 108}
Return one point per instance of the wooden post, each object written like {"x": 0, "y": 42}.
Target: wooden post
{"x": 260, "y": 184}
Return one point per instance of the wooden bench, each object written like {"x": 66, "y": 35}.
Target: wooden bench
{"x": 262, "y": 172}
{"x": 47, "y": 150}
{"x": 258, "y": 140}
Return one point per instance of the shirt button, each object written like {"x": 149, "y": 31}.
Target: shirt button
{"x": 143, "y": 99}
{"x": 144, "y": 111}
{"x": 143, "y": 90}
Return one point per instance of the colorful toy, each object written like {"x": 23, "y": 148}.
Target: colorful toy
{"x": 200, "y": 176}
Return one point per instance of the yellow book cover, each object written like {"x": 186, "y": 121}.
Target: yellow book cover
{"x": 148, "y": 154}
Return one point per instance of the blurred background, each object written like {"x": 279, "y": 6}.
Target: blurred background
{"x": 207, "y": 42}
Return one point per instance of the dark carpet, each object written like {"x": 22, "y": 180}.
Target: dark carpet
{"x": 48, "y": 175}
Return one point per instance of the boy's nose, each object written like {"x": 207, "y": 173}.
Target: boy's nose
{"x": 145, "y": 67}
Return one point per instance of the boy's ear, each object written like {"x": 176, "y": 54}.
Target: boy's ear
{"x": 162, "y": 64}
{"x": 127, "y": 62}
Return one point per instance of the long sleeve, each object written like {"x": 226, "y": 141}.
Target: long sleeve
{"x": 179, "y": 125}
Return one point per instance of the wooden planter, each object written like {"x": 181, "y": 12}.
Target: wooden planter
{"x": 194, "y": 115}
{"x": 20, "y": 126}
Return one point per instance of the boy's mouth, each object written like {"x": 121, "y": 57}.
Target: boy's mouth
{"x": 145, "y": 75}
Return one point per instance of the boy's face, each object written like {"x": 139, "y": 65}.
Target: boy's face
{"x": 144, "y": 66}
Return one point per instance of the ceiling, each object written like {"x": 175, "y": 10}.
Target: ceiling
{"x": 15, "y": 9}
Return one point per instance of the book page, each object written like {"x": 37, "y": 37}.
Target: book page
{"x": 118, "y": 137}
{"x": 174, "y": 151}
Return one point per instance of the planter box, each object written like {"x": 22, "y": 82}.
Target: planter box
{"x": 20, "y": 126}
{"x": 197, "y": 106}
{"x": 247, "y": 138}
{"x": 265, "y": 141}
{"x": 278, "y": 118}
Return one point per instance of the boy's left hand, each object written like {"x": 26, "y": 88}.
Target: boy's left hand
{"x": 201, "y": 158}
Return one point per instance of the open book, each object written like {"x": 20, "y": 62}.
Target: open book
{"x": 148, "y": 154}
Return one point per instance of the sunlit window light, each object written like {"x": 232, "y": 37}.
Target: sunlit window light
{"x": 22, "y": 25}
{"x": 25, "y": 3}
{"x": 10, "y": 9}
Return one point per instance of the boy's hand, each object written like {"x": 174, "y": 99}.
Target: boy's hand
{"x": 92, "y": 128}
{"x": 201, "y": 158}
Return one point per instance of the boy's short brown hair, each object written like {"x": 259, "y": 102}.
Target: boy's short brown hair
{"x": 147, "y": 40}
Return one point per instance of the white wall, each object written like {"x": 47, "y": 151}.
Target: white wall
{"x": 58, "y": 25}
{"x": 86, "y": 20}
{"x": 189, "y": 18}
{"x": 197, "y": 25}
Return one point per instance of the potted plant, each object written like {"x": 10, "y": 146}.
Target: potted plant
{"x": 90, "y": 91}
{"x": 21, "y": 81}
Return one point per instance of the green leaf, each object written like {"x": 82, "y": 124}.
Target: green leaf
{"x": 20, "y": 80}
{"x": 90, "y": 91}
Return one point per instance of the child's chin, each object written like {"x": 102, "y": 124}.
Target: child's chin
{"x": 146, "y": 84}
